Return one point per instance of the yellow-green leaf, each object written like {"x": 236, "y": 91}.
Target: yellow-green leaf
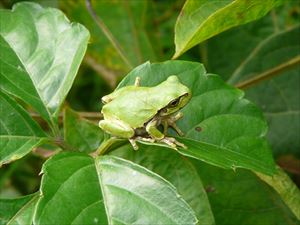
{"x": 200, "y": 20}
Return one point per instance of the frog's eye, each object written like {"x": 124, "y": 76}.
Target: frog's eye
{"x": 174, "y": 103}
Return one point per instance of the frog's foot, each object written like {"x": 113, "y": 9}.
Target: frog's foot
{"x": 171, "y": 122}
{"x": 172, "y": 142}
{"x": 134, "y": 144}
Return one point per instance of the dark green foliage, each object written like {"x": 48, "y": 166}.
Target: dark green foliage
{"x": 227, "y": 174}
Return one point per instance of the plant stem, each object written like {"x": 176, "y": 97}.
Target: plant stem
{"x": 107, "y": 33}
{"x": 105, "y": 145}
{"x": 89, "y": 115}
{"x": 269, "y": 73}
{"x": 285, "y": 187}
{"x": 105, "y": 73}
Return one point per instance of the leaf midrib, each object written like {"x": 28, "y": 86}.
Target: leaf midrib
{"x": 23, "y": 208}
{"x": 23, "y": 137}
{"x": 239, "y": 68}
{"x": 59, "y": 187}
{"x": 32, "y": 81}
{"x": 181, "y": 50}
{"x": 87, "y": 207}
{"x": 259, "y": 163}
{"x": 157, "y": 208}
{"x": 289, "y": 112}
{"x": 96, "y": 164}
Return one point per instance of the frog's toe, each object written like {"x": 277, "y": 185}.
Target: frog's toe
{"x": 133, "y": 143}
{"x": 181, "y": 145}
{"x": 172, "y": 142}
{"x": 169, "y": 141}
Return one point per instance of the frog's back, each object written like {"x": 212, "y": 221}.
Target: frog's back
{"x": 135, "y": 107}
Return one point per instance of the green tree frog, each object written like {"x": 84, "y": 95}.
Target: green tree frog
{"x": 135, "y": 112}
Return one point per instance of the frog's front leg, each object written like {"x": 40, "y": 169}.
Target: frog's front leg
{"x": 152, "y": 130}
{"x": 171, "y": 122}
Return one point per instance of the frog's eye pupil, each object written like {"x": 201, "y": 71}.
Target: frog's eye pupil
{"x": 174, "y": 103}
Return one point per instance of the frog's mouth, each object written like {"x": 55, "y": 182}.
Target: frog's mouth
{"x": 185, "y": 99}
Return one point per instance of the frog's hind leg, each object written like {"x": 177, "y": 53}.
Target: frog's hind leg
{"x": 116, "y": 128}
{"x": 160, "y": 137}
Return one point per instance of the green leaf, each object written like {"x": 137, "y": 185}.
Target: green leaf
{"x": 232, "y": 156}
{"x": 81, "y": 134}
{"x": 278, "y": 96}
{"x": 228, "y": 45}
{"x": 44, "y": 50}
{"x": 269, "y": 48}
{"x": 217, "y": 116}
{"x": 19, "y": 133}
{"x": 70, "y": 192}
{"x": 283, "y": 124}
{"x": 285, "y": 187}
{"x": 177, "y": 170}
{"x": 108, "y": 190}
{"x": 242, "y": 198}
{"x": 125, "y": 22}
{"x": 201, "y": 20}
{"x": 18, "y": 210}
{"x": 148, "y": 198}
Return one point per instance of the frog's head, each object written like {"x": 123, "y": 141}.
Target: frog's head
{"x": 176, "y": 95}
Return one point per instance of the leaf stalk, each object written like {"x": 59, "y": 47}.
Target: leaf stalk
{"x": 105, "y": 145}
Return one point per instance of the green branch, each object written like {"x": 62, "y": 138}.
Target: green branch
{"x": 269, "y": 73}
{"x": 285, "y": 187}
